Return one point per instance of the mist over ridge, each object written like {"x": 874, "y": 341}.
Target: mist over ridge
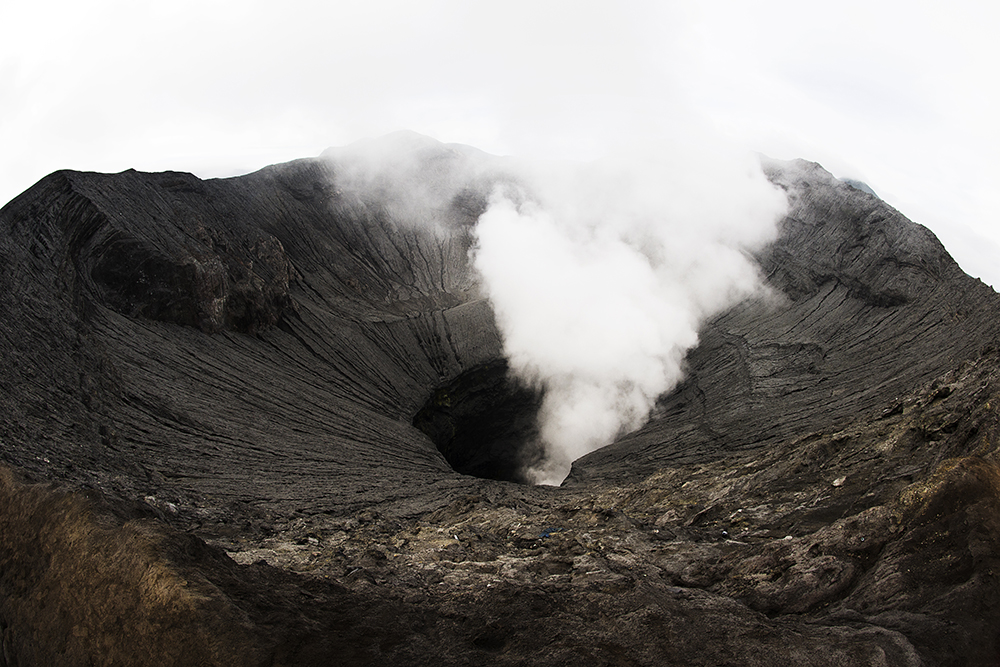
{"x": 602, "y": 279}
{"x": 600, "y": 272}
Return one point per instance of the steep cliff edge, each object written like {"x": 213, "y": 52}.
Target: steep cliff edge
{"x": 222, "y": 378}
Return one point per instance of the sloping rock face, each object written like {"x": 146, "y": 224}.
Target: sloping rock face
{"x": 871, "y": 306}
{"x": 233, "y": 411}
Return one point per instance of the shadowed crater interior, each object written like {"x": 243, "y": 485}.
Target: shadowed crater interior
{"x": 485, "y": 423}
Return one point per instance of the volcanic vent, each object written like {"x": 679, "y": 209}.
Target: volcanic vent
{"x": 485, "y": 423}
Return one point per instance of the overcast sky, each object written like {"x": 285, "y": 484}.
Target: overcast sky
{"x": 902, "y": 95}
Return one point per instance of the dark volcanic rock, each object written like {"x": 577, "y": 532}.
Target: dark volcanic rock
{"x": 234, "y": 410}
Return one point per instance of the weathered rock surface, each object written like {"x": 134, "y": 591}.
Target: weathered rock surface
{"x": 208, "y": 410}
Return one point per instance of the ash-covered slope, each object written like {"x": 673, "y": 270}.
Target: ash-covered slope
{"x": 242, "y": 361}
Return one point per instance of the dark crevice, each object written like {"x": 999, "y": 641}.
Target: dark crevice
{"x": 485, "y": 423}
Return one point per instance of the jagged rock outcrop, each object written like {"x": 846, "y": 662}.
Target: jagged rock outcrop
{"x": 209, "y": 407}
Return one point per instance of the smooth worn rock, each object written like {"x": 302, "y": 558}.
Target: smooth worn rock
{"x": 233, "y": 411}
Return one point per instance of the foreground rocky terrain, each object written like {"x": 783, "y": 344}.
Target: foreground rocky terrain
{"x": 218, "y": 407}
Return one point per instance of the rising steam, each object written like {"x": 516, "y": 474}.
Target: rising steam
{"x": 601, "y": 277}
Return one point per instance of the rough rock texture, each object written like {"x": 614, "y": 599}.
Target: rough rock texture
{"x": 207, "y": 416}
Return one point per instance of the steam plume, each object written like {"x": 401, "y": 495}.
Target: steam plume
{"x": 601, "y": 277}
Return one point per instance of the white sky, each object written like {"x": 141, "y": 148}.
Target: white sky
{"x": 903, "y": 95}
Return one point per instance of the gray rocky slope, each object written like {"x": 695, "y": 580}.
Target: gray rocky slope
{"x": 208, "y": 407}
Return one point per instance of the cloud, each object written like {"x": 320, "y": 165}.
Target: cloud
{"x": 601, "y": 275}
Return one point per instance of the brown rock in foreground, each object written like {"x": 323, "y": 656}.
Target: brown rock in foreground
{"x": 208, "y": 399}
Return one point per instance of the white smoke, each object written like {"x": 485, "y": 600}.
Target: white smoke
{"x": 602, "y": 275}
